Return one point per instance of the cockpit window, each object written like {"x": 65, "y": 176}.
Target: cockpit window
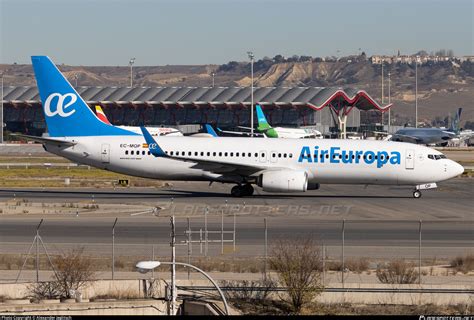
{"x": 436, "y": 156}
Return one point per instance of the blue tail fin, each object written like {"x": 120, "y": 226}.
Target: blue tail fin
{"x": 262, "y": 120}
{"x": 210, "y": 130}
{"x": 65, "y": 112}
{"x": 456, "y": 121}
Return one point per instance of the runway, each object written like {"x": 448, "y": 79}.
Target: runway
{"x": 453, "y": 200}
{"x": 380, "y": 221}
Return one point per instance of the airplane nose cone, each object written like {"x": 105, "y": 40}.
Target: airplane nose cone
{"x": 457, "y": 169}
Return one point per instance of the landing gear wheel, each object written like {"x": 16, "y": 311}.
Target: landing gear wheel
{"x": 242, "y": 191}
{"x": 236, "y": 191}
{"x": 248, "y": 190}
{"x": 417, "y": 194}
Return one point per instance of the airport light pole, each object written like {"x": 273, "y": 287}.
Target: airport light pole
{"x": 390, "y": 109}
{"x": 146, "y": 266}
{"x": 251, "y": 57}
{"x": 1, "y": 116}
{"x": 382, "y": 82}
{"x": 75, "y": 78}
{"x": 213, "y": 74}
{"x": 382, "y": 94}
{"x": 131, "y": 62}
{"x": 416, "y": 92}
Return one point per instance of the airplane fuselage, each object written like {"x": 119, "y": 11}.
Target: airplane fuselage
{"x": 325, "y": 161}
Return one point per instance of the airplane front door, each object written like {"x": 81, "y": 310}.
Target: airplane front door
{"x": 410, "y": 159}
{"x": 105, "y": 153}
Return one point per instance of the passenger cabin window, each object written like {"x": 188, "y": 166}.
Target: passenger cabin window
{"x": 126, "y": 152}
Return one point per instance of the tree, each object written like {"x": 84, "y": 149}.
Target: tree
{"x": 230, "y": 66}
{"x": 279, "y": 58}
{"x": 421, "y": 53}
{"x": 293, "y": 58}
{"x": 73, "y": 271}
{"x": 298, "y": 264}
{"x": 305, "y": 58}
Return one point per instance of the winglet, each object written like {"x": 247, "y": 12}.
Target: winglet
{"x": 154, "y": 148}
{"x": 210, "y": 130}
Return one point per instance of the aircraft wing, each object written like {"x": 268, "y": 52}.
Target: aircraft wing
{"x": 217, "y": 167}
{"x": 238, "y": 133}
{"x": 45, "y": 140}
{"x": 247, "y": 128}
{"x": 223, "y": 168}
{"x": 406, "y": 138}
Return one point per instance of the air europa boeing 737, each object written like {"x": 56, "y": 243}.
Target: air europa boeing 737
{"x": 275, "y": 165}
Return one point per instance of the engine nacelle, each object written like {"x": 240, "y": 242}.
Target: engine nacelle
{"x": 312, "y": 186}
{"x": 283, "y": 181}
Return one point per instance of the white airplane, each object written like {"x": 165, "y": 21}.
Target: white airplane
{"x": 275, "y": 165}
{"x": 265, "y": 129}
{"x": 154, "y": 131}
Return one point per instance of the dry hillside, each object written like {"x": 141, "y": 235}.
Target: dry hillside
{"x": 442, "y": 87}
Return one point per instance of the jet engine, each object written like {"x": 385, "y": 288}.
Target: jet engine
{"x": 283, "y": 181}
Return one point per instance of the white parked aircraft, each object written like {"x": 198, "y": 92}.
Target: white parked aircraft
{"x": 276, "y": 165}
{"x": 154, "y": 131}
{"x": 265, "y": 129}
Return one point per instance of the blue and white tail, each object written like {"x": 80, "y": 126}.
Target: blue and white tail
{"x": 456, "y": 121}
{"x": 65, "y": 112}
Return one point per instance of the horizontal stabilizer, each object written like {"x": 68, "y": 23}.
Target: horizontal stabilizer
{"x": 45, "y": 139}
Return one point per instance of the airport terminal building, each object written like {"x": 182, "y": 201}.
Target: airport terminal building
{"x": 189, "y": 107}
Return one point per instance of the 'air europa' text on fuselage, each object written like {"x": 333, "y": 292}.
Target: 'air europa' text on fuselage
{"x": 336, "y": 155}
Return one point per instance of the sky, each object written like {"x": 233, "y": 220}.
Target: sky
{"x": 160, "y": 32}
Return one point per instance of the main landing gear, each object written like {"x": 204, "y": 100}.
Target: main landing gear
{"x": 417, "y": 194}
{"x": 242, "y": 190}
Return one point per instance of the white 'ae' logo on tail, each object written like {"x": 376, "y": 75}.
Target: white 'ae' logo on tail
{"x": 60, "y": 106}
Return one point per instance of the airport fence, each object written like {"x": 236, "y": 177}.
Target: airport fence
{"x": 351, "y": 249}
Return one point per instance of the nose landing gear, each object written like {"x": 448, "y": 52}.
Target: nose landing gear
{"x": 242, "y": 190}
{"x": 417, "y": 194}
